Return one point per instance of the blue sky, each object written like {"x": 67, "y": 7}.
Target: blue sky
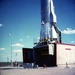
{"x": 22, "y": 19}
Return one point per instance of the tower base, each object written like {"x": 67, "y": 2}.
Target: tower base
{"x": 45, "y": 55}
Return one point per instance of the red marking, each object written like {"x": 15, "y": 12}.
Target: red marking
{"x": 67, "y": 48}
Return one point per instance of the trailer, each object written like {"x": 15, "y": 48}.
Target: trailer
{"x": 27, "y": 55}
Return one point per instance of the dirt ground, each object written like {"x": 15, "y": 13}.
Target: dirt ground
{"x": 39, "y": 71}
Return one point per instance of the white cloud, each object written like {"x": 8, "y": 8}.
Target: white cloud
{"x": 9, "y": 35}
{"x": 18, "y": 45}
{"x": 2, "y": 48}
{"x": 72, "y": 41}
{"x": 1, "y": 25}
{"x": 38, "y": 38}
{"x": 27, "y": 36}
{"x": 68, "y": 31}
{"x": 21, "y": 40}
{"x": 17, "y": 51}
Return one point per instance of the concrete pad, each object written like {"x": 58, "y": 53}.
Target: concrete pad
{"x": 39, "y": 71}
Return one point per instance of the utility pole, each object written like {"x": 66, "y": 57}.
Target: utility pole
{"x": 16, "y": 57}
{"x": 10, "y": 35}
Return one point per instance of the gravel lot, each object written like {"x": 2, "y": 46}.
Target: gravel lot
{"x": 39, "y": 71}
